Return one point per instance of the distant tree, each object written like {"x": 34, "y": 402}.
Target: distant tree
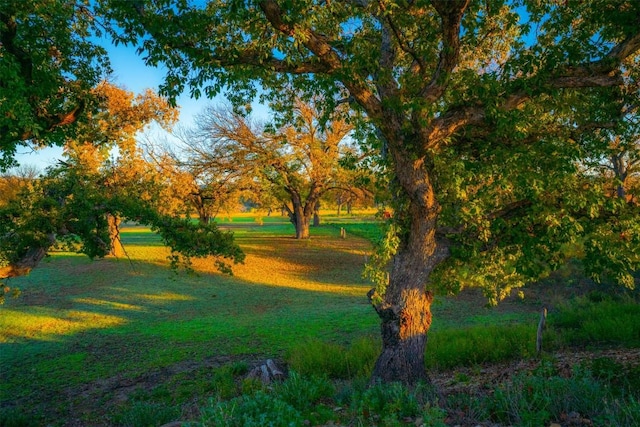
{"x": 299, "y": 160}
{"x": 13, "y": 181}
{"x": 460, "y": 92}
{"x": 206, "y": 182}
{"x": 613, "y": 142}
{"x": 48, "y": 69}
{"x": 106, "y": 144}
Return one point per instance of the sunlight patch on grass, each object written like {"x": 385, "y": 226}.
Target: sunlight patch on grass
{"x": 110, "y": 304}
{"x": 44, "y": 324}
{"x": 165, "y": 297}
{"x": 324, "y": 263}
{"x": 280, "y": 273}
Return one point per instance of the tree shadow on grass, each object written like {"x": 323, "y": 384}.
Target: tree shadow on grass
{"x": 83, "y": 330}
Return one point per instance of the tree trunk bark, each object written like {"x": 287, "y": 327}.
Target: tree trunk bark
{"x": 405, "y": 308}
{"x": 297, "y": 218}
{"x": 404, "y": 337}
{"x": 316, "y": 214}
{"x": 301, "y": 213}
{"x": 301, "y": 222}
{"x": 116, "y": 249}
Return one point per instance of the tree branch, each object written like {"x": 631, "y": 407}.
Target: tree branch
{"x": 28, "y": 261}
{"x": 320, "y": 47}
{"x": 451, "y": 12}
{"x": 601, "y": 73}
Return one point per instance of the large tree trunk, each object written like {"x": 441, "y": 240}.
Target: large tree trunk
{"x": 405, "y": 308}
{"x": 299, "y": 217}
{"x": 116, "y": 249}
{"x": 301, "y": 213}
{"x": 300, "y": 221}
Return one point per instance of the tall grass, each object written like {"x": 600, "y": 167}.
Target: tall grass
{"x": 581, "y": 399}
{"x": 474, "y": 345}
{"x": 595, "y": 320}
{"x": 315, "y": 357}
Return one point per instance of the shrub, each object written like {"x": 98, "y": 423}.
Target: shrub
{"x": 302, "y": 393}
{"x": 392, "y": 404}
{"x": 539, "y": 398}
{"x": 622, "y": 379}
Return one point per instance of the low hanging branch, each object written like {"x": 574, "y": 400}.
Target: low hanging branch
{"x": 26, "y": 263}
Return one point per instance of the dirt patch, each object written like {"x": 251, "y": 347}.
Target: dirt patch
{"x": 104, "y": 395}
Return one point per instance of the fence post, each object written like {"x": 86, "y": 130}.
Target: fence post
{"x": 543, "y": 319}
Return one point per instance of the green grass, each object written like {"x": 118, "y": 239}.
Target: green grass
{"x": 594, "y": 322}
{"x": 112, "y": 339}
{"x": 79, "y": 323}
{"x": 475, "y": 345}
{"x": 337, "y": 361}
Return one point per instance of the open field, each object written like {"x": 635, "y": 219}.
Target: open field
{"x": 88, "y": 339}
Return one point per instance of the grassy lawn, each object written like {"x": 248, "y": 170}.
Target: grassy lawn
{"x": 86, "y": 338}
{"x": 79, "y": 321}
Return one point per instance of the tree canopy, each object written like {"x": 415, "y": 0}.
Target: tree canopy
{"x": 48, "y": 68}
{"x": 479, "y": 107}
